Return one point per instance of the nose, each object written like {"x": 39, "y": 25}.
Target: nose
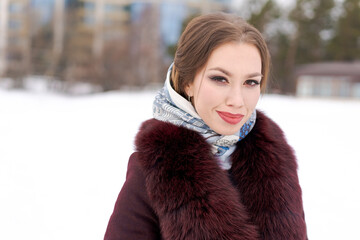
{"x": 234, "y": 97}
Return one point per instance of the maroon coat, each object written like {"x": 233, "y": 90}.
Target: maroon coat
{"x": 175, "y": 189}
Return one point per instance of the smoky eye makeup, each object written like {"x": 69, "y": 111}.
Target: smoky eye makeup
{"x": 252, "y": 82}
{"x": 218, "y": 78}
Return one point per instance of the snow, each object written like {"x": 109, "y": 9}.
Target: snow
{"x": 63, "y": 160}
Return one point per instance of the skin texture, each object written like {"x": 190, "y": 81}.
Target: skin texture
{"x": 230, "y": 83}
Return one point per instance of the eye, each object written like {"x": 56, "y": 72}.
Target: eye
{"x": 219, "y": 79}
{"x": 251, "y": 82}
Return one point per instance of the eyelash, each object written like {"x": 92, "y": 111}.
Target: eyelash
{"x": 249, "y": 82}
{"x": 252, "y": 82}
{"x": 219, "y": 79}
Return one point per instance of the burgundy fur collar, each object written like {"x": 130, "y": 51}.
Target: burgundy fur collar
{"x": 259, "y": 198}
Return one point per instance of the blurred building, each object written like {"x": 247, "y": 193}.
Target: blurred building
{"x": 173, "y": 14}
{"x": 19, "y": 19}
{"x": 43, "y": 36}
{"x": 127, "y": 33}
{"x": 333, "y": 79}
{"x": 3, "y": 35}
{"x": 14, "y": 37}
{"x": 103, "y": 15}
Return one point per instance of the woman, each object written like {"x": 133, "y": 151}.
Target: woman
{"x": 209, "y": 166}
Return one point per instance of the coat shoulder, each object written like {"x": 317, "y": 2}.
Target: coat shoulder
{"x": 268, "y": 140}
{"x": 269, "y": 130}
{"x": 133, "y": 216}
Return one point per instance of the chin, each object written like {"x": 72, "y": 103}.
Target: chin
{"x": 224, "y": 128}
{"x": 228, "y": 131}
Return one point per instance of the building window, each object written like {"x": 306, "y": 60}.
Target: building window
{"x": 14, "y": 24}
{"x": 89, "y": 12}
{"x": 15, "y": 7}
{"x": 344, "y": 88}
{"x": 305, "y": 86}
{"x": 356, "y": 90}
{"x": 325, "y": 86}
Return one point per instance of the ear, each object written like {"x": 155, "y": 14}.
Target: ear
{"x": 189, "y": 89}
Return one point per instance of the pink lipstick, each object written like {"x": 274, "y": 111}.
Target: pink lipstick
{"x": 230, "y": 118}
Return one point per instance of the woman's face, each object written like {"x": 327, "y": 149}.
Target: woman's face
{"x": 226, "y": 90}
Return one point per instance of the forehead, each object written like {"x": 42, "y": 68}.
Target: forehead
{"x": 236, "y": 57}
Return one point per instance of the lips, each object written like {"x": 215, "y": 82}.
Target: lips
{"x": 230, "y": 118}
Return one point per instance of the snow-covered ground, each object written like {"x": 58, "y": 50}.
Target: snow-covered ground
{"x": 63, "y": 161}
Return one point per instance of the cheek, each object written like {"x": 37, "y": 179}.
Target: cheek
{"x": 252, "y": 98}
{"x": 207, "y": 97}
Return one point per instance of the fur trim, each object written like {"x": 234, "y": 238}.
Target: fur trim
{"x": 195, "y": 199}
{"x": 265, "y": 173}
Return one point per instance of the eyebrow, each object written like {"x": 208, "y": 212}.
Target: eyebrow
{"x": 251, "y": 75}
{"x": 221, "y": 70}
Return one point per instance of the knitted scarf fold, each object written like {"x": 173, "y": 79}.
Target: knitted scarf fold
{"x": 169, "y": 106}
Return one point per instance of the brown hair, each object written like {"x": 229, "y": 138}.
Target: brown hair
{"x": 205, "y": 33}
